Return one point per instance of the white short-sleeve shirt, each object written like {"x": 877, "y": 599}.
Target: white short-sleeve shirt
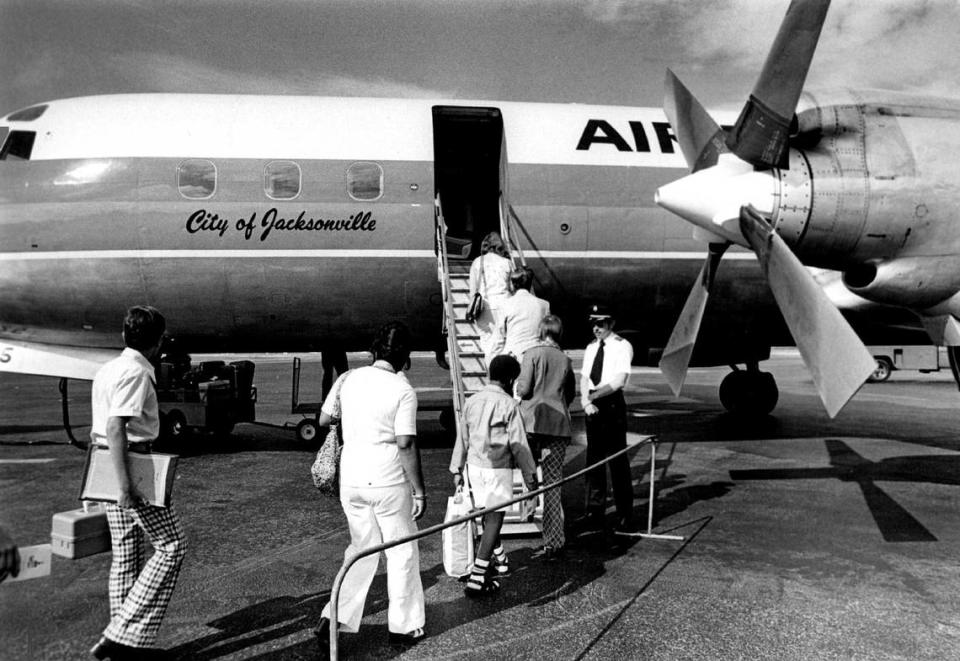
{"x": 124, "y": 387}
{"x": 617, "y": 359}
{"x": 376, "y": 406}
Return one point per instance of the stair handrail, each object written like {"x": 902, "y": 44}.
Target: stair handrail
{"x": 450, "y": 319}
{"x": 506, "y": 231}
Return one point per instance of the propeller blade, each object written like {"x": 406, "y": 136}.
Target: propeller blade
{"x": 700, "y": 138}
{"x": 835, "y": 356}
{"x": 763, "y": 128}
{"x": 676, "y": 357}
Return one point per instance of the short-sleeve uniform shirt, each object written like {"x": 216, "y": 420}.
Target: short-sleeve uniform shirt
{"x": 617, "y": 358}
{"x": 124, "y": 387}
{"x": 376, "y": 406}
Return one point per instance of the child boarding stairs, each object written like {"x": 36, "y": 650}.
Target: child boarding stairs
{"x": 468, "y": 374}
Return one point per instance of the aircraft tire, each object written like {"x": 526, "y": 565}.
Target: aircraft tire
{"x": 447, "y": 420}
{"x": 748, "y": 393}
{"x": 883, "y": 371}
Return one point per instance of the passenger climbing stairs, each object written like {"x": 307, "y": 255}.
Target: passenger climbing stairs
{"x": 468, "y": 368}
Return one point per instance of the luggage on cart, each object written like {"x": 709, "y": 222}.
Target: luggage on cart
{"x": 459, "y": 541}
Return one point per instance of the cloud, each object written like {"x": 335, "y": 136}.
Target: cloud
{"x": 892, "y": 44}
{"x": 154, "y": 72}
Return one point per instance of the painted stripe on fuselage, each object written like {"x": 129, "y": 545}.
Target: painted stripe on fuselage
{"x": 418, "y": 254}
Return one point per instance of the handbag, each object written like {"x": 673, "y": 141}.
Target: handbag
{"x": 476, "y": 305}
{"x": 459, "y": 540}
{"x": 326, "y": 466}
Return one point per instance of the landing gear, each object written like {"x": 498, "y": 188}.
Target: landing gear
{"x": 749, "y": 392}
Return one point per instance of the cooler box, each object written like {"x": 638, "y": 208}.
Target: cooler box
{"x": 79, "y": 533}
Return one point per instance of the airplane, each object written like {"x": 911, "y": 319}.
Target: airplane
{"x": 292, "y": 223}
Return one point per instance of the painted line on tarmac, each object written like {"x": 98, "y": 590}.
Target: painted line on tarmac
{"x": 26, "y": 461}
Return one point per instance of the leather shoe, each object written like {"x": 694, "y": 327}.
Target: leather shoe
{"x": 114, "y": 651}
{"x": 405, "y": 639}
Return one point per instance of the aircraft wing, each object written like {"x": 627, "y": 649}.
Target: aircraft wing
{"x": 53, "y": 360}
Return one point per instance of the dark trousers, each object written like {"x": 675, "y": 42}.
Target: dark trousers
{"x": 606, "y": 434}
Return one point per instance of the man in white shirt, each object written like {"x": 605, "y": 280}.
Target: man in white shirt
{"x": 605, "y": 372}
{"x": 125, "y": 418}
{"x": 381, "y": 487}
{"x": 521, "y": 315}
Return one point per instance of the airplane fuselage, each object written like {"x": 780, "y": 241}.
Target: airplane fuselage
{"x": 172, "y": 200}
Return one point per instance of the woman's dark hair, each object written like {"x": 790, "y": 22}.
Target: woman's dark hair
{"x": 504, "y": 368}
{"x": 493, "y": 243}
{"x": 392, "y": 344}
{"x": 143, "y": 327}
{"x": 552, "y": 327}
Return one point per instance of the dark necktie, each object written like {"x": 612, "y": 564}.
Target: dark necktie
{"x": 596, "y": 372}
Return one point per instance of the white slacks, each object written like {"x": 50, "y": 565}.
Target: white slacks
{"x": 376, "y": 515}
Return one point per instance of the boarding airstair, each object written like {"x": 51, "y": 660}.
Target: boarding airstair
{"x": 468, "y": 368}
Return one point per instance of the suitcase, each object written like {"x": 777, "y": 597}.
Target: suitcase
{"x": 458, "y": 540}
{"x": 79, "y": 533}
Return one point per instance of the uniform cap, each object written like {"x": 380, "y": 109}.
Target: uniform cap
{"x": 599, "y": 311}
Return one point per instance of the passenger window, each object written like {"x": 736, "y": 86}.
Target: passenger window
{"x": 18, "y": 147}
{"x": 365, "y": 181}
{"x": 281, "y": 180}
{"x": 197, "y": 179}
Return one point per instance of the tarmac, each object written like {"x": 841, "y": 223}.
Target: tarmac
{"x": 803, "y": 537}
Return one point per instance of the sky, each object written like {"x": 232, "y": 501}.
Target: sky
{"x": 576, "y": 51}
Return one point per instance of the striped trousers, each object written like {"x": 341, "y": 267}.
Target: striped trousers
{"x": 140, "y": 593}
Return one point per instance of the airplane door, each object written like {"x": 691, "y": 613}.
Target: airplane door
{"x": 469, "y": 174}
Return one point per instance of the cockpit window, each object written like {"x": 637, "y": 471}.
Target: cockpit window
{"x": 18, "y": 146}
{"x": 281, "y": 180}
{"x": 27, "y": 114}
{"x": 197, "y": 178}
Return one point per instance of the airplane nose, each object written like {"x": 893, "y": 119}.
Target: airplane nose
{"x": 711, "y": 198}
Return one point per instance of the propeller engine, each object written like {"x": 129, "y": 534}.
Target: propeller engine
{"x": 747, "y": 186}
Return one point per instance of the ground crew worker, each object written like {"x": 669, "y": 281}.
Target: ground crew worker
{"x": 604, "y": 375}
{"x": 125, "y": 418}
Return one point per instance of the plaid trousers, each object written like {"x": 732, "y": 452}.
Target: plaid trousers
{"x": 550, "y": 451}
{"x": 139, "y": 593}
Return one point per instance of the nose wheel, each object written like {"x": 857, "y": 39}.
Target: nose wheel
{"x": 749, "y": 392}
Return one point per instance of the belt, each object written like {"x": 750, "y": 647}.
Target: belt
{"x": 142, "y": 447}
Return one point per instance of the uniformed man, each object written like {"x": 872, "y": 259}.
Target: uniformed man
{"x": 604, "y": 375}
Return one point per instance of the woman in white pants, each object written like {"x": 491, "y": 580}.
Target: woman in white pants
{"x": 381, "y": 486}
{"x": 489, "y": 274}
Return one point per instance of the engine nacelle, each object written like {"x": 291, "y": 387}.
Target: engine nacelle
{"x": 874, "y": 177}
{"x": 919, "y": 283}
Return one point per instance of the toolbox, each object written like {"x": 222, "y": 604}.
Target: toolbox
{"x": 79, "y": 533}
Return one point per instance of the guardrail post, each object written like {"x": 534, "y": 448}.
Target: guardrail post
{"x": 653, "y": 479}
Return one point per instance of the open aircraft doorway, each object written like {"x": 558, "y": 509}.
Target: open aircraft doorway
{"x": 469, "y": 168}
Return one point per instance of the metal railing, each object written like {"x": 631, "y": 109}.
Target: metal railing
{"x": 449, "y": 316}
{"x": 348, "y": 562}
{"x": 506, "y": 232}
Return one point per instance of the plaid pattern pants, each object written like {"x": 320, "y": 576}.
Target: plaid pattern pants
{"x": 550, "y": 450}
{"x": 139, "y": 593}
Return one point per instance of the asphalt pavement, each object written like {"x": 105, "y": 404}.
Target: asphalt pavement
{"x": 802, "y": 537}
